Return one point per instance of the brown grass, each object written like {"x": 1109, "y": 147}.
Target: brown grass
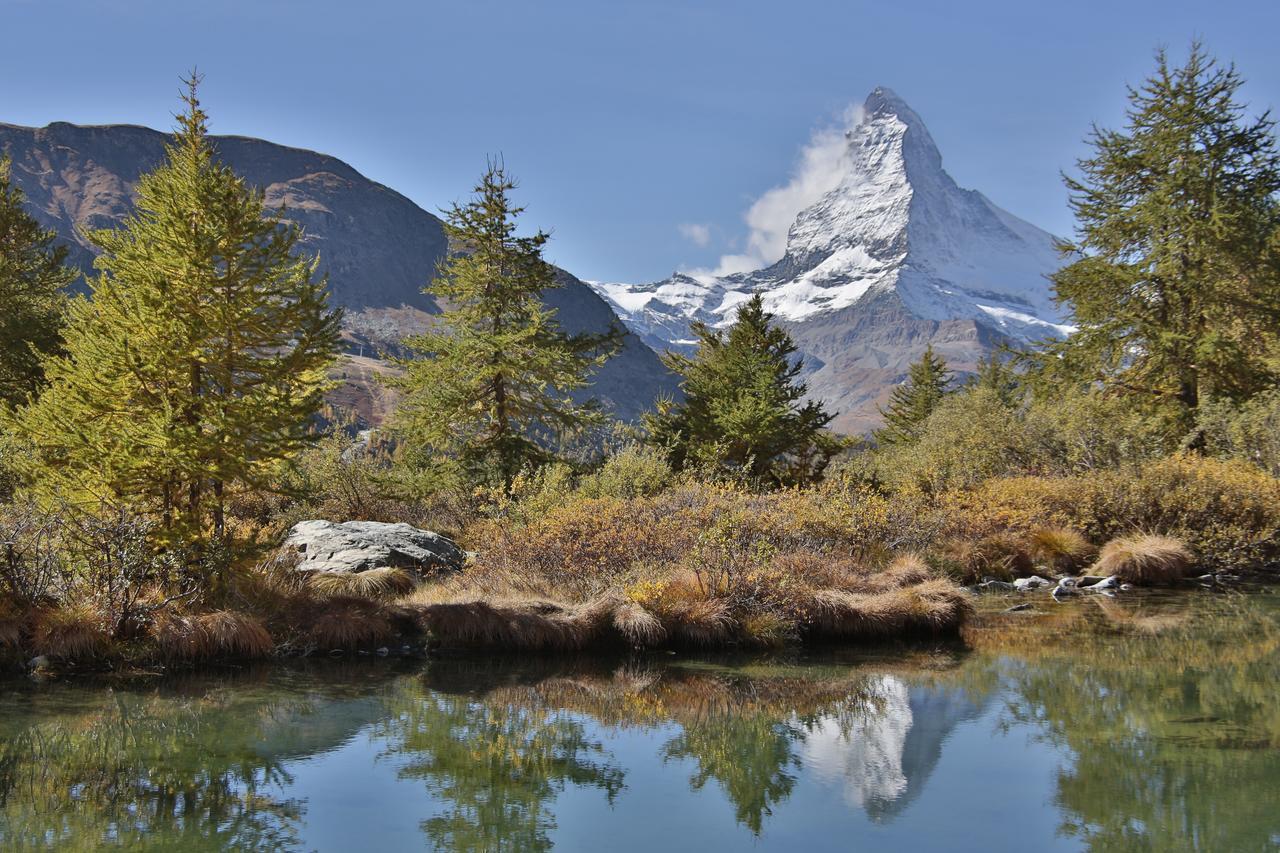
{"x": 69, "y": 633}
{"x": 386, "y": 582}
{"x": 638, "y": 626}
{"x": 929, "y": 608}
{"x": 1002, "y": 556}
{"x": 1145, "y": 559}
{"x": 1062, "y": 549}
{"x": 349, "y": 622}
{"x": 220, "y": 634}
{"x": 529, "y": 625}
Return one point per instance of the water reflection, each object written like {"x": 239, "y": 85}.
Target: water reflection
{"x": 1152, "y": 730}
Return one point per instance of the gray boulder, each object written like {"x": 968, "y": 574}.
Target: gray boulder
{"x": 354, "y": 546}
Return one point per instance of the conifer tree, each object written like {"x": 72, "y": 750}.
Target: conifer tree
{"x": 1176, "y": 284}
{"x": 491, "y": 384}
{"x": 33, "y": 282}
{"x": 998, "y": 376}
{"x": 200, "y": 360}
{"x": 911, "y": 403}
{"x": 742, "y": 410}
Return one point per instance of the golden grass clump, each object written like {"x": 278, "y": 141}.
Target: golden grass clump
{"x": 348, "y": 622}
{"x": 385, "y": 582}
{"x": 1145, "y": 559}
{"x": 1062, "y": 549}
{"x": 70, "y": 633}
{"x": 638, "y": 626}
{"x": 529, "y": 625}
{"x": 219, "y": 634}
{"x": 929, "y": 608}
{"x": 1000, "y": 555}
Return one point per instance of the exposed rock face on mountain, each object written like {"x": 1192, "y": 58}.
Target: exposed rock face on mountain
{"x": 894, "y": 257}
{"x": 377, "y": 246}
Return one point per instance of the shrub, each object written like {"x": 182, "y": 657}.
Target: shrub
{"x": 1145, "y": 559}
{"x": 1248, "y": 432}
{"x": 635, "y": 471}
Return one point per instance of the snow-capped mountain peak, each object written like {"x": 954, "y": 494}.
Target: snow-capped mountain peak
{"x": 894, "y": 222}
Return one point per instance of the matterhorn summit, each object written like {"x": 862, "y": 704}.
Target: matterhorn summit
{"x": 893, "y": 257}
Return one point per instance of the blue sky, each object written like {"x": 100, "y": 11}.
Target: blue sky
{"x": 627, "y": 122}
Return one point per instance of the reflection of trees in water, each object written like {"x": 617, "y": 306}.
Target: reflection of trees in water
{"x": 498, "y": 767}
{"x": 125, "y": 774}
{"x": 1175, "y": 736}
{"x": 746, "y": 730}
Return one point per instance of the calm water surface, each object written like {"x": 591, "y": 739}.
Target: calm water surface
{"x": 1148, "y": 724}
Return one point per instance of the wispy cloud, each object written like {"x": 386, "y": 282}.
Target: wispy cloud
{"x": 696, "y": 233}
{"x": 822, "y": 162}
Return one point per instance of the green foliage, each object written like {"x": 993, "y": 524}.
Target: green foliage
{"x": 634, "y": 471}
{"x": 1175, "y": 282}
{"x": 198, "y": 364}
{"x": 970, "y": 436}
{"x": 33, "y": 280}
{"x": 1250, "y": 431}
{"x": 491, "y": 384}
{"x": 912, "y": 402}
{"x": 741, "y": 414}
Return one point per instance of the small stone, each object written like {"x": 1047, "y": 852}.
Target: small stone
{"x": 1018, "y": 608}
{"x": 1033, "y": 582}
{"x": 39, "y": 662}
{"x": 383, "y": 652}
{"x": 1109, "y": 582}
{"x": 996, "y": 586}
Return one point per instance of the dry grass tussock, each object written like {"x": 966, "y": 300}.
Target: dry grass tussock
{"x": 932, "y": 607}
{"x": 69, "y": 633}
{"x": 1062, "y": 549}
{"x": 386, "y": 582}
{"x": 206, "y": 636}
{"x": 1145, "y": 559}
{"x": 349, "y": 622}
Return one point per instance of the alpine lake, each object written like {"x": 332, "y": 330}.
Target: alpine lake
{"x": 1149, "y": 722}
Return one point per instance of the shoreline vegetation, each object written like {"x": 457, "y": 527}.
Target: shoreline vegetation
{"x": 160, "y": 438}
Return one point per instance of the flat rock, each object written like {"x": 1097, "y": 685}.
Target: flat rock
{"x": 1033, "y": 582}
{"x": 354, "y": 546}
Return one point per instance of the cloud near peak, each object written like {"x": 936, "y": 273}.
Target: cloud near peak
{"x": 821, "y": 164}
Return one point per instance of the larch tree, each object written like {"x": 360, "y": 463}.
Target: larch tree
{"x": 743, "y": 411}
{"x": 198, "y": 363}
{"x": 33, "y": 294}
{"x": 491, "y": 385}
{"x": 911, "y": 403}
{"x": 1175, "y": 285}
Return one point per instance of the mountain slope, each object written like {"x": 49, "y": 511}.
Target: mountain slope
{"x": 895, "y": 256}
{"x": 377, "y": 246}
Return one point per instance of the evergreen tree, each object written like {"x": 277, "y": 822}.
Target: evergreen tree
{"x": 199, "y": 362}
{"x": 741, "y": 411}
{"x": 998, "y": 376}
{"x": 491, "y": 383}
{"x": 911, "y": 403}
{"x": 1176, "y": 284}
{"x": 33, "y": 281}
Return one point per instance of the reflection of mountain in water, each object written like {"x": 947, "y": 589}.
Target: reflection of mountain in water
{"x": 885, "y": 754}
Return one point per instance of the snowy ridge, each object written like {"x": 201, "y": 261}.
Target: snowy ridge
{"x": 897, "y": 223}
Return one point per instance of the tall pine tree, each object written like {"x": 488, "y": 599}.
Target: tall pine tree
{"x": 911, "y": 403}
{"x": 491, "y": 384}
{"x": 1176, "y": 285}
{"x": 199, "y": 362}
{"x": 742, "y": 410}
{"x": 33, "y": 282}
